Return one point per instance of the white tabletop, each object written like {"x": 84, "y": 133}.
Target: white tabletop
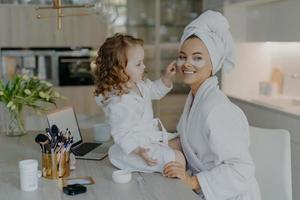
{"x": 142, "y": 186}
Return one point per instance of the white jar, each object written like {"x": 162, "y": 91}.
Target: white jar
{"x": 101, "y": 132}
{"x": 28, "y": 175}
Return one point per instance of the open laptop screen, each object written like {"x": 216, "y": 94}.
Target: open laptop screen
{"x": 66, "y": 118}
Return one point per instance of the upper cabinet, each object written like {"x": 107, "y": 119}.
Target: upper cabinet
{"x": 264, "y": 20}
{"x": 19, "y": 27}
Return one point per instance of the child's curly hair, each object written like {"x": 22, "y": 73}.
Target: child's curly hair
{"x": 111, "y": 63}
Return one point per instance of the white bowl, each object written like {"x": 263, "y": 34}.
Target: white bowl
{"x": 121, "y": 176}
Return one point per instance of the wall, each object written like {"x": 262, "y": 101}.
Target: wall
{"x": 252, "y": 65}
{"x": 286, "y": 56}
{"x": 255, "y": 62}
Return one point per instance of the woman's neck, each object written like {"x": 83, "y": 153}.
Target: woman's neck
{"x": 195, "y": 86}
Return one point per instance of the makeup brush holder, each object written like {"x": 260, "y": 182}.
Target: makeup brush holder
{"x": 56, "y": 165}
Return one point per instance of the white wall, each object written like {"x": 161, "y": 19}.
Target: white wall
{"x": 286, "y": 56}
{"x": 254, "y": 63}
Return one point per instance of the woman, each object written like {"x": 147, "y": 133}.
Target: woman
{"x": 214, "y": 133}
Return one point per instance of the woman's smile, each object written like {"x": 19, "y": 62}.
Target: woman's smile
{"x": 187, "y": 70}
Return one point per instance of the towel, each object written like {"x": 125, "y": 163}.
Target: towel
{"x": 213, "y": 29}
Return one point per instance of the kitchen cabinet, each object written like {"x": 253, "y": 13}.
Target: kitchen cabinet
{"x": 266, "y": 117}
{"x": 19, "y": 27}
{"x": 264, "y": 20}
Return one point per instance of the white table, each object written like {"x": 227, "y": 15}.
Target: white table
{"x": 142, "y": 186}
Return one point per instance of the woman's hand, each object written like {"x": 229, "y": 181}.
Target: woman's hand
{"x": 177, "y": 170}
{"x": 143, "y": 152}
{"x": 170, "y": 72}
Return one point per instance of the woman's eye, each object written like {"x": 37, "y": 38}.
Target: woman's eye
{"x": 197, "y": 58}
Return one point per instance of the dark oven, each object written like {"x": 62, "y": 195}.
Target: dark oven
{"x": 74, "y": 70}
{"x": 62, "y": 66}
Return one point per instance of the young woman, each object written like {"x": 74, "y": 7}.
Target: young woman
{"x": 214, "y": 133}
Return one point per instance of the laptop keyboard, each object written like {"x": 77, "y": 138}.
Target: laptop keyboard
{"x": 84, "y": 148}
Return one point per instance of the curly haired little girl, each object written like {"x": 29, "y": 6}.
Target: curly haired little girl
{"x": 127, "y": 101}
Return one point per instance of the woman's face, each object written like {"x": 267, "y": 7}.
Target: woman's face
{"x": 193, "y": 63}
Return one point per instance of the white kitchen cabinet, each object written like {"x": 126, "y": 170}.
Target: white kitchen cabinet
{"x": 265, "y": 117}
{"x": 19, "y": 27}
{"x": 264, "y": 20}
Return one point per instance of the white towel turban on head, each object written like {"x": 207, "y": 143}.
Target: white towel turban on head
{"x": 213, "y": 29}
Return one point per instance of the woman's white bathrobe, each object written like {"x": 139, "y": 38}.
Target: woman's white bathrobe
{"x": 214, "y": 134}
{"x": 132, "y": 125}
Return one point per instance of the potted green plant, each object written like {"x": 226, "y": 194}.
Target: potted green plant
{"x": 21, "y": 91}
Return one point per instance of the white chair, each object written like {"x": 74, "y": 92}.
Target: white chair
{"x": 271, "y": 152}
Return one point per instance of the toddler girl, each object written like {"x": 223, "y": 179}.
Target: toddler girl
{"x": 127, "y": 101}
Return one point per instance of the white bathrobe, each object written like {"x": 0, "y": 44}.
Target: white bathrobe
{"x": 132, "y": 125}
{"x": 214, "y": 135}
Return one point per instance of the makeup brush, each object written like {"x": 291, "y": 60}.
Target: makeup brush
{"x": 42, "y": 140}
{"x": 48, "y": 133}
{"x": 54, "y": 130}
{"x": 55, "y": 135}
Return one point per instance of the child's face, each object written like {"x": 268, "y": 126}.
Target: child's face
{"x": 135, "y": 65}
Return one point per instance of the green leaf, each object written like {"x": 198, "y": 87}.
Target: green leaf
{"x": 1, "y": 85}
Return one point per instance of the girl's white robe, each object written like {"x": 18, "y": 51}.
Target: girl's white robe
{"x": 132, "y": 125}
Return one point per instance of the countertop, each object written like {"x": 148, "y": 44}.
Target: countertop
{"x": 142, "y": 186}
{"x": 284, "y": 105}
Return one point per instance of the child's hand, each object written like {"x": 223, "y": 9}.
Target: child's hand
{"x": 143, "y": 152}
{"x": 170, "y": 72}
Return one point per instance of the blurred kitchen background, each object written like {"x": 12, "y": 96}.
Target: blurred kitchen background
{"x": 265, "y": 82}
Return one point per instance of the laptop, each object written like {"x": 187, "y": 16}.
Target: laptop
{"x": 66, "y": 118}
